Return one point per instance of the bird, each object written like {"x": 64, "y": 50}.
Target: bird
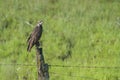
{"x": 35, "y": 36}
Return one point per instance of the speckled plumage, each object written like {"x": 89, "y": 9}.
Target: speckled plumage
{"x": 35, "y": 36}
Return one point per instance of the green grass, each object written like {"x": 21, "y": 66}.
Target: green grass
{"x": 88, "y": 29}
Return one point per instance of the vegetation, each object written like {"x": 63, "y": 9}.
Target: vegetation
{"x": 76, "y": 33}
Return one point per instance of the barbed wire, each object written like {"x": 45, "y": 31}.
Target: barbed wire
{"x": 108, "y": 67}
{"x": 51, "y": 65}
{"x": 67, "y": 66}
{"x": 18, "y": 64}
{"x": 71, "y": 75}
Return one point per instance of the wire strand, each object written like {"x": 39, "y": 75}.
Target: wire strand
{"x": 108, "y": 67}
{"x": 18, "y": 64}
{"x": 73, "y": 75}
{"x": 104, "y": 67}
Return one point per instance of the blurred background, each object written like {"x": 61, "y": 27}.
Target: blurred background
{"x": 81, "y": 36}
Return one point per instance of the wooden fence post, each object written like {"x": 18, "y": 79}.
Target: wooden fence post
{"x": 42, "y": 67}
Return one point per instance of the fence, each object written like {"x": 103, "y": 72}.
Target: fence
{"x": 51, "y": 65}
{"x": 68, "y": 66}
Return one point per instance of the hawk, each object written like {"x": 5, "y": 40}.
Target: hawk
{"x": 35, "y": 36}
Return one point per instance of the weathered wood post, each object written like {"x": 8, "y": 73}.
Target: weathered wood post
{"x": 42, "y": 67}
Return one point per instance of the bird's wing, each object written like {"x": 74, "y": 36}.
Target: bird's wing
{"x": 32, "y": 34}
{"x": 38, "y": 34}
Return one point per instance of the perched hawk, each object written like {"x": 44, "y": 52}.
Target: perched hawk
{"x": 35, "y": 36}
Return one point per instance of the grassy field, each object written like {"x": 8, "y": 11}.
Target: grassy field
{"x": 76, "y": 33}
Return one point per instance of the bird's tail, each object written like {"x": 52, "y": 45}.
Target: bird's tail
{"x": 28, "y": 48}
{"x": 30, "y": 45}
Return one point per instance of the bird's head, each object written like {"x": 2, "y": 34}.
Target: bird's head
{"x": 40, "y": 23}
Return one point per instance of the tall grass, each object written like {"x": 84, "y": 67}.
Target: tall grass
{"x": 81, "y": 33}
